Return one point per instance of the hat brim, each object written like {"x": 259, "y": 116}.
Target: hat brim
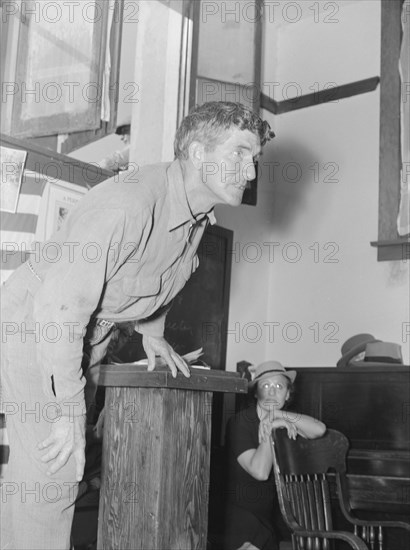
{"x": 290, "y": 374}
{"x": 344, "y": 360}
{"x": 353, "y": 364}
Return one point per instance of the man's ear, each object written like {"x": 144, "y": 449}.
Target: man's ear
{"x": 196, "y": 151}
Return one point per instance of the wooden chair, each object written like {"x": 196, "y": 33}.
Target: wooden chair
{"x": 304, "y": 487}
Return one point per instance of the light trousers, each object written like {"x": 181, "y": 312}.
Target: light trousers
{"x": 36, "y": 509}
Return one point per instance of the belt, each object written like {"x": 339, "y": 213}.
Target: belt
{"x": 104, "y": 323}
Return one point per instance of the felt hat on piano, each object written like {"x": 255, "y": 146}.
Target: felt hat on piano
{"x": 363, "y": 350}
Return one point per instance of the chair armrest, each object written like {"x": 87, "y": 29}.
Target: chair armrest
{"x": 353, "y": 540}
{"x": 376, "y": 523}
{"x": 348, "y": 512}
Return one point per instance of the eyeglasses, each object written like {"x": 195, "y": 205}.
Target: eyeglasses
{"x": 276, "y": 385}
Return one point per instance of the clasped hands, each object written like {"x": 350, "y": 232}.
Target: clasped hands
{"x": 268, "y": 424}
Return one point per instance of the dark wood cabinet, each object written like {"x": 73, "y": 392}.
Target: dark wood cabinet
{"x": 371, "y": 406}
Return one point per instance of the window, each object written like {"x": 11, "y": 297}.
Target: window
{"x": 59, "y": 67}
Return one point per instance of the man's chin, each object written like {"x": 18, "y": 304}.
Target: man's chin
{"x": 236, "y": 200}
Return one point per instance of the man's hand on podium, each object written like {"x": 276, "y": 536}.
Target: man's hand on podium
{"x": 158, "y": 346}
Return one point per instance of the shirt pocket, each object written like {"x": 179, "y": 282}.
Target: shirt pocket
{"x": 140, "y": 295}
{"x": 141, "y": 287}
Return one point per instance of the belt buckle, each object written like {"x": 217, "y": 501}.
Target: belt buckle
{"x": 104, "y": 323}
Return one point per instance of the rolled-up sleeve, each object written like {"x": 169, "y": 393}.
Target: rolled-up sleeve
{"x": 154, "y": 325}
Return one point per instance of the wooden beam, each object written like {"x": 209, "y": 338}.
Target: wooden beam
{"x": 395, "y": 249}
{"x": 57, "y": 166}
{"x": 132, "y": 375}
{"x": 323, "y": 96}
{"x": 390, "y": 147}
{"x": 269, "y": 104}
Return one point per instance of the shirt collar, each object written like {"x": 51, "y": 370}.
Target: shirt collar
{"x": 180, "y": 210}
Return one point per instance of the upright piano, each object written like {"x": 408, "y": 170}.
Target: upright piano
{"x": 371, "y": 406}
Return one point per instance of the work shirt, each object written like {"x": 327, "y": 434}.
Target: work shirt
{"x": 123, "y": 254}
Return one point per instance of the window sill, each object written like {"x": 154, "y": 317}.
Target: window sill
{"x": 396, "y": 249}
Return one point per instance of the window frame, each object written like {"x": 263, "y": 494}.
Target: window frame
{"x": 390, "y": 246}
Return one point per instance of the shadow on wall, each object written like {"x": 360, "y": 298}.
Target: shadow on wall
{"x": 287, "y": 174}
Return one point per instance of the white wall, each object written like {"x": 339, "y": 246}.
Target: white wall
{"x": 355, "y": 293}
{"x": 323, "y": 283}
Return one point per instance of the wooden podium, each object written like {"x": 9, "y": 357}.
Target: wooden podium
{"x": 156, "y": 456}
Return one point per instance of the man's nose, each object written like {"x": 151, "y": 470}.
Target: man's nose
{"x": 250, "y": 171}
{"x": 272, "y": 390}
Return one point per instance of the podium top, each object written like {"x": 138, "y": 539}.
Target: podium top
{"x": 131, "y": 375}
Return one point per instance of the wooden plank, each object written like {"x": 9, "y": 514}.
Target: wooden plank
{"x": 333, "y": 372}
{"x": 390, "y": 89}
{"x": 377, "y": 462}
{"x": 395, "y": 249}
{"x": 269, "y": 104}
{"x": 257, "y": 58}
{"x": 196, "y": 18}
{"x": 131, "y": 375}
{"x": 155, "y": 472}
{"x": 383, "y": 493}
{"x": 124, "y": 492}
{"x": 55, "y": 165}
{"x": 323, "y": 96}
{"x": 185, "y": 473}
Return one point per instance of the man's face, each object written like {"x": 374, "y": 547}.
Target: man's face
{"x": 227, "y": 169}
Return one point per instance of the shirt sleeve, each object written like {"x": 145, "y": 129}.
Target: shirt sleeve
{"x": 154, "y": 325}
{"x": 69, "y": 295}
